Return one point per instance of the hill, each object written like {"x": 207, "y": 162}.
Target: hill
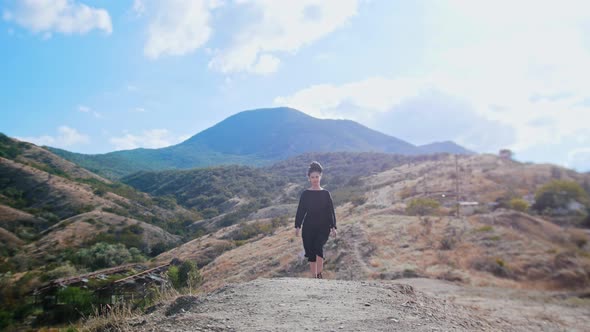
{"x": 48, "y": 205}
{"x": 264, "y": 135}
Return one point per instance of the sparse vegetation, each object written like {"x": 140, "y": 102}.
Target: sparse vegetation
{"x": 422, "y": 206}
{"x": 519, "y": 204}
{"x": 495, "y": 265}
{"x": 448, "y": 242}
{"x": 486, "y": 228}
{"x": 10, "y": 148}
{"x": 103, "y": 255}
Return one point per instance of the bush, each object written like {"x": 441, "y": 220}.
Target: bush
{"x": 359, "y": 200}
{"x": 188, "y": 274}
{"x": 185, "y": 275}
{"x": 103, "y": 255}
{"x": 5, "y": 319}
{"x": 422, "y": 206}
{"x": 173, "y": 276}
{"x": 78, "y": 301}
{"x": 131, "y": 236}
{"x": 159, "y": 248}
{"x": 518, "y": 204}
{"x": 496, "y": 266}
{"x": 247, "y": 231}
{"x": 66, "y": 270}
{"x": 558, "y": 194}
{"x": 167, "y": 201}
{"x": 448, "y": 242}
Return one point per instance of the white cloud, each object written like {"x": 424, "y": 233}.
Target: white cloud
{"x": 271, "y": 29}
{"x": 280, "y": 27}
{"x": 184, "y": 138}
{"x": 411, "y": 109}
{"x": 86, "y": 109}
{"x": 138, "y": 7}
{"x": 529, "y": 57}
{"x": 63, "y": 16}
{"x": 138, "y": 110}
{"x": 372, "y": 95}
{"x": 179, "y": 27}
{"x": 154, "y": 138}
{"x": 519, "y": 66}
{"x": 266, "y": 64}
{"x": 66, "y": 137}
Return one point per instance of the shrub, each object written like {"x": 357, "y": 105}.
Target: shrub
{"x": 518, "y": 204}
{"x": 422, "y": 206}
{"x": 103, "y": 255}
{"x": 558, "y": 194}
{"x": 173, "y": 276}
{"x": 159, "y": 248}
{"x": 185, "y": 275}
{"x": 167, "y": 201}
{"x": 66, "y": 270}
{"x": 496, "y": 266}
{"x": 247, "y": 231}
{"x": 78, "y": 301}
{"x": 359, "y": 200}
{"x": 5, "y": 319}
{"x": 448, "y": 242}
{"x": 486, "y": 228}
{"x": 188, "y": 274}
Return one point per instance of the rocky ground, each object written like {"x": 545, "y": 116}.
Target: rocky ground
{"x": 305, "y": 304}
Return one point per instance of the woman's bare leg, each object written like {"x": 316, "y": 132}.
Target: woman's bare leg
{"x": 313, "y": 268}
{"x": 320, "y": 264}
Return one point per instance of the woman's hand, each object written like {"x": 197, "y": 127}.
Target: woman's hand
{"x": 333, "y": 232}
{"x": 297, "y": 231}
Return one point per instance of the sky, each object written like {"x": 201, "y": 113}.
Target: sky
{"x": 100, "y": 76}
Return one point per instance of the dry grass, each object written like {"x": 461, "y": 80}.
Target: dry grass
{"x": 119, "y": 317}
{"x": 438, "y": 247}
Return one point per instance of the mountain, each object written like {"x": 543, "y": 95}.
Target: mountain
{"x": 256, "y": 138}
{"x": 444, "y": 147}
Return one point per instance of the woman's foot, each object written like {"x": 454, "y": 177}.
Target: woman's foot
{"x": 319, "y": 276}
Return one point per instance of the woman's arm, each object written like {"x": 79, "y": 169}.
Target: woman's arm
{"x": 332, "y": 212}
{"x": 301, "y": 211}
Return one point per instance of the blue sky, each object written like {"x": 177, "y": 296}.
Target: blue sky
{"x": 98, "y": 76}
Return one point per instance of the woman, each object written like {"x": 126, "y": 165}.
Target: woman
{"x": 316, "y": 213}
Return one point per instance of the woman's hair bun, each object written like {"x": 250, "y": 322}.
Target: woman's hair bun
{"x": 314, "y": 167}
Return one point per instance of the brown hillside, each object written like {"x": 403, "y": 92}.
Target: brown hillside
{"x": 74, "y": 232}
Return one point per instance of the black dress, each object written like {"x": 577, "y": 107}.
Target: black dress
{"x": 316, "y": 213}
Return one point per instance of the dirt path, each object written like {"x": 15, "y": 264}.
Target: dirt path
{"x": 299, "y": 304}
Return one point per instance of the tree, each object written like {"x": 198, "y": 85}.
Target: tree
{"x": 189, "y": 274}
{"x": 506, "y": 153}
{"x": 185, "y": 275}
{"x": 558, "y": 194}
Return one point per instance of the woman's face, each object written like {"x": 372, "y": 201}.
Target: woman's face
{"x": 314, "y": 178}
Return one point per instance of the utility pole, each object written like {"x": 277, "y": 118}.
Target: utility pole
{"x": 457, "y": 184}
{"x": 426, "y": 184}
